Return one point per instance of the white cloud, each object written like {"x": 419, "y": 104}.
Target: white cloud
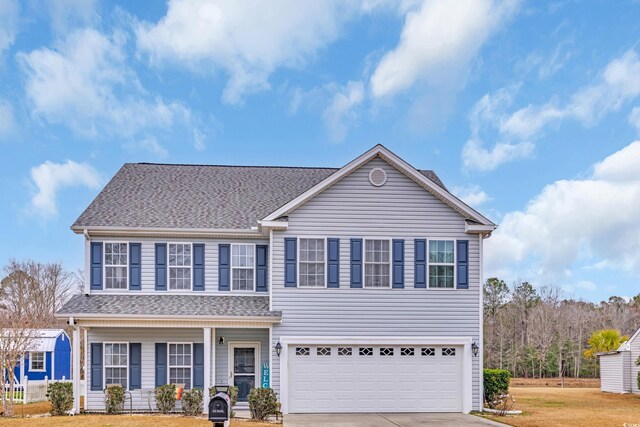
{"x": 66, "y": 14}
{"x": 438, "y": 42}
{"x": 9, "y": 15}
{"x": 634, "y": 118}
{"x": 152, "y": 145}
{"x": 49, "y": 178}
{"x": 617, "y": 84}
{"x": 7, "y": 120}
{"x": 472, "y": 195}
{"x": 589, "y": 219}
{"x": 249, "y": 40}
{"x": 340, "y": 110}
{"x": 85, "y": 83}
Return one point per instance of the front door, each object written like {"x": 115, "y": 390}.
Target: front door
{"x": 244, "y": 365}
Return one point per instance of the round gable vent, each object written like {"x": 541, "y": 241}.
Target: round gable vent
{"x": 377, "y": 177}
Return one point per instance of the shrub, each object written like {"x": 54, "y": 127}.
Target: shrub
{"x": 192, "y": 401}
{"x": 165, "y": 398}
{"x": 233, "y": 397}
{"x": 496, "y": 383}
{"x": 114, "y": 403}
{"x": 262, "y": 403}
{"x": 61, "y": 397}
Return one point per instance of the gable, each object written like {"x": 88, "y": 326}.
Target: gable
{"x": 355, "y": 202}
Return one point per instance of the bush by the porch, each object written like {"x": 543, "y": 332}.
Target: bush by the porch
{"x": 61, "y": 397}
{"x": 262, "y": 403}
{"x": 114, "y": 403}
{"x": 496, "y": 383}
{"x": 192, "y": 401}
{"x": 165, "y": 398}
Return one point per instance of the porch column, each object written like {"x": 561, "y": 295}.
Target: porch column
{"x": 76, "y": 369}
{"x": 207, "y": 367}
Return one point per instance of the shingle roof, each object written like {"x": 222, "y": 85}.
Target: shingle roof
{"x": 169, "y": 305}
{"x": 199, "y": 196}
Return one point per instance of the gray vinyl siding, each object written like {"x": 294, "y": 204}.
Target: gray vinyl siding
{"x": 400, "y": 209}
{"x": 222, "y": 369}
{"x": 614, "y": 372}
{"x": 633, "y": 368}
{"x": 148, "y": 260}
{"x": 148, "y": 337}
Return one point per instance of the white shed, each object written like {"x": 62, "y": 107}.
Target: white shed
{"x": 618, "y": 370}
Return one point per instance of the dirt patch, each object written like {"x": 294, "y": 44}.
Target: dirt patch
{"x": 556, "y": 382}
{"x": 571, "y": 407}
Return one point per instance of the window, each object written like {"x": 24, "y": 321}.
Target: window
{"x": 344, "y": 351}
{"x": 302, "y": 351}
{"x": 242, "y": 267}
{"x": 376, "y": 264}
{"x": 429, "y": 351}
{"x": 441, "y": 264}
{"x": 180, "y": 364}
{"x": 449, "y": 351}
{"x": 386, "y": 351}
{"x": 366, "y": 351}
{"x": 36, "y": 361}
{"x": 312, "y": 259}
{"x": 180, "y": 266}
{"x": 324, "y": 351}
{"x": 115, "y": 263}
{"x": 116, "y": 363}
{"x": 406, "y": 351}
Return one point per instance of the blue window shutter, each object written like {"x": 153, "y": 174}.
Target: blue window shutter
{"x": 135, "y": 366}
{"x": 333, "y": 257}
{"x": 96, "y": 266}
{"x": 420, "y": 259}
{"x": 398, "y": 263}
{"x": 198, "y": 365}
{"x": 161, "y": 266}
{"x": 224, "y": 267}
{"x": 135, "y": 267}
{"x": 198, "y": 266}
{"x": 161, "y": 364}
{"x": 356, "y": 263}
{"x": 463, "y": 264}
{"x": 262, "y": 258}
{"x": 96, "y": 366}
{"x": 290, "y": 261}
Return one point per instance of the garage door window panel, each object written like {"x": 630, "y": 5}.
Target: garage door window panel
{"x": 377, "y": 264}
{"x": 441, "y": 264}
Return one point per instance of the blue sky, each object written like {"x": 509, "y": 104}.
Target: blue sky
{"x": 527, "y": 110}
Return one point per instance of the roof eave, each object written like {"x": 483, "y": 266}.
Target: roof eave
{"x": 101, "y": 316}
{"x": 105, "y": 231}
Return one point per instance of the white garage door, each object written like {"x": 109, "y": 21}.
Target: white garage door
{"x": 374, "y": 378}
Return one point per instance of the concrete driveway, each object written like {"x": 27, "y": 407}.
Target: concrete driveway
{"x": 384, "y": 420}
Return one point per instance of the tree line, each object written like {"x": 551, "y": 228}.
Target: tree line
{"x": 538, "y": 333}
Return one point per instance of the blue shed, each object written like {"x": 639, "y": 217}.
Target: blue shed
{"x": 49, "y": 357}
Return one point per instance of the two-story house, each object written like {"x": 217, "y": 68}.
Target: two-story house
{"x": 355, "y": 289}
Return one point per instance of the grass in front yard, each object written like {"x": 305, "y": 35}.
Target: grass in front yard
{"x": 571, "y": 407}
{"x": 123, "y": 421}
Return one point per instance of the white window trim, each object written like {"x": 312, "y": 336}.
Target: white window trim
{"x": 104, "y": 264}
{"x": 44, "y": 361}
{"x": 255, "y": 260}
{"x": 179, "y": 366}
{"x": 326, "y": 262}
{"x": 169, "y": 268}
{"x": 364, "y": 263}
{"x": 104, "y": 363}
{"x": 455, "y": 264}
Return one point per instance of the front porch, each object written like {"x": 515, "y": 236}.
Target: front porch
{"x": 143, "y": 356}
